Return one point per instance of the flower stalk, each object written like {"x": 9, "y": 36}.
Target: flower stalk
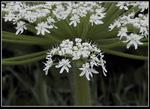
{"x": 80, "y": 87}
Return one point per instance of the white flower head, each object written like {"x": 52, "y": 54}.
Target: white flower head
{"x": 137, "y": 26}
{"x": 53, "y": 12}
{"x": 76, "y": 50}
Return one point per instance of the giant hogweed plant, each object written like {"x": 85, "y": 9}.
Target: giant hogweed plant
{"x": 78, "y": 35}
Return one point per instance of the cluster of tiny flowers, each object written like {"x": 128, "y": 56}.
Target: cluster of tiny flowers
{"x": 125, "y": 5}
{"x": 140, "y": 23}
{"x": 74, "y": 51}
{"x": 53, "y": 11}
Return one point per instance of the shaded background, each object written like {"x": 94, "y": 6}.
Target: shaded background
{"x": 126, "y": 83}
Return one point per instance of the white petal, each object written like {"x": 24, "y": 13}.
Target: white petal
{"x": 90, "y": 74}
{"x": 135, "y": 45}
{"x": 46, "y": 72}
{"x": 140, "y": 43}
{"x": 104, "y": 73}
{"x": 82, "y": 73}
{"x": 62, "y": 69}
{"x": 57, "y": 66}
{"x": 42, "y": 32}
{"x": 94, "y": 71}
{"x": 17, "y": 32}
{"x": 87, "y": 76}
{"x": 128, "y": 45}
{"x": 66, "y": 68}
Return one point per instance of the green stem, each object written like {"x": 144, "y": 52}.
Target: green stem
{"x": 30, "y": 60}
{"x": 42, "y": 42}
{"x": 117, "y": 53}
{"x": 116, "y": 39}
{"x": 25, "y": 39}
{"x": 80, "y": 88}
{"x": 119, "y": 44}
{"x": 25, "y": 56}
{"x": 94, "y": 91}
{"x": 86, "y": 26}
{"x": 41, "y": 87}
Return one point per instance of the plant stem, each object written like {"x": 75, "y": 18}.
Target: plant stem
{"x": 117, "y": 53}
{"x": 41, "y": 87}
{"x": 80, "y": 88}
{"x": 30, "y": 60}
{"x": 32, "y": 55}
{"x": 25, "y": 39}
{"x": 119, "y": 44}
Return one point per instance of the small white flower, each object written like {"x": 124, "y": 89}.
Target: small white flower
{"x": 42, "y": 28}
{"x": 100, "y": 11}
{"x": 143, "y": 5}
{"x": 64, "y": 64}
{"x": 78, "y": 40}
{"x": 76, "y": 55}
{"x": 123, "y": 5}
{"x": 95, "y": 19}
{"x": 94, "y": 60}
{"x": 95, "y": 49}
{"x": 123, "y": 32}
{"x": 3, "y": 6}
{"x": 50, "y": 20}
{"x": 9, "y": 17}
{"x": 85, "y": 53}
{"x": 48, "y": 64}
{"x": 60, "y": 12}
{"x": 54, "y": 51}
{"x": 133, "y": 39}
{"x": 20, "y": 27}
{"x": 87, "y": 71}
{"x": 75, "y": 19}
{"x": 117, "y": 23}
{"x": 111, "y": 27}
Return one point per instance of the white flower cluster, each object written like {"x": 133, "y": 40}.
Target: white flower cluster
{"x": 53, "y": 11}
{"x": 73, "y": 51}
{"x": 141, "y": 23}
{"x": 125, "y": 5}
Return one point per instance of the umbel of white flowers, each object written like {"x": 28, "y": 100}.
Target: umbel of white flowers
{"x": 52, "y": 12}
{"x": 74, "y": 51}
{"x": 141, "y": 23}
